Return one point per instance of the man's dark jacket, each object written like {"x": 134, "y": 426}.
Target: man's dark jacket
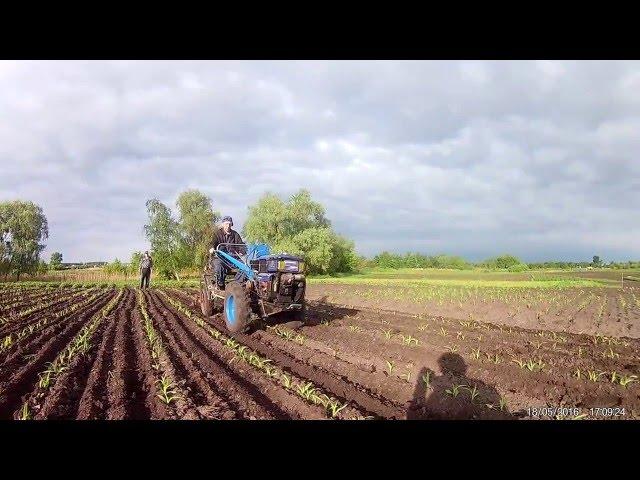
{"x": 231, "y": 237}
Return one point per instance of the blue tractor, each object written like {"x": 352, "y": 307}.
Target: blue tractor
{"x": 263, "y": 285}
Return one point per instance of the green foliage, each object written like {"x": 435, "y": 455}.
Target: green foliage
{"x": 502, "y": 262}
{"x": 23, "y": 226}
{"x": 196, "y": 223}
{"x": 169, "y": 252}
{"x": 417, "y": 260}
{"x": 116, "y": 268}
{"x": 520, "y": 267}
{"x": 56, "y": 261}
{"x": 134, "y": 263}
{"x": 299, "y": 226}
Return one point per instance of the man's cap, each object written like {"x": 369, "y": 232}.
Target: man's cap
{"x": 227, "y": 218}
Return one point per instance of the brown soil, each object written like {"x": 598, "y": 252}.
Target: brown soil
{"x": 381, "y": 364}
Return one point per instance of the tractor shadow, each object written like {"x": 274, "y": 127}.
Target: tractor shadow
{"x": 322, "y": 312}
{"x": 318, "y": 312}
{"x": 449, "y": 396}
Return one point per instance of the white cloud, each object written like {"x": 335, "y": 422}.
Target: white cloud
{"x": 475, "y": 158}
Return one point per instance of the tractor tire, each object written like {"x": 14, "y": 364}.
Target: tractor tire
{"x": 237, "y": 308}
{"x": 206, "y": 305}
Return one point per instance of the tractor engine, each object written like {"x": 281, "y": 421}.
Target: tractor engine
{"x": 280, "y": 278}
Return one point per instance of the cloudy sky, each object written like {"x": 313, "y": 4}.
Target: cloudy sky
{"x": 539, "y": 159}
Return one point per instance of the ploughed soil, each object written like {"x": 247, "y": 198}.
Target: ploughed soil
{"x": 603, "y": 310}
{"x": 154, "y": 356}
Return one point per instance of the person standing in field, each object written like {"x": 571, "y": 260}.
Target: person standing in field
{"x": 146, "y": 263}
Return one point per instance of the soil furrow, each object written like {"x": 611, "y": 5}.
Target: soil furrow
{"x": 294, "y": 405}
{"x": 16, "y": 379}
{"x": 63, "y": 399}
{"x": 92, "y": 403}
{"x": 341, "y": 388}
{"x": 210, "y": 386}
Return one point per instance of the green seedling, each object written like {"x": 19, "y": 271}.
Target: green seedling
{"x": 426, "y": 379}
{"x": 503, "y": 403}
{"x": 25, "y": 414}
{"x": 390, "y": 366}
{"x": 452, "y": 348}
{"x": 594, "y": 376}
{"x": 473, "y": 393}
{"x": 454, "y": 391}
{"x": 475, "y": 353}
{"x": 387, "y": 333}
{"x": 305, "y": 390}
{"x": 535, "y": 366}
{"x": 625, "y": 380}
{"x": 286, "y": 380}
{"x": 409, "y": 340}
{"x": 167, "y": 390}
{"x": 334, "y": 408}
{"x": 520, "y": 363}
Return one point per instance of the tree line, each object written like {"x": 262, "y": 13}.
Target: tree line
{"x": 180, "y": 240}
{"x": 298, "y": 226}
{"x": 503, "y": 262}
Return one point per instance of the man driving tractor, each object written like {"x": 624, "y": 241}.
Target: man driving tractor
{"x": 225, "y": 234}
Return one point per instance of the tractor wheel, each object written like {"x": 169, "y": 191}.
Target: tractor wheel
{"x": 237, "y": 307}
{"x": 206, "y": 305}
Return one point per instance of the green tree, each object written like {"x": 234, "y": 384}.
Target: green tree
{"x": 23, "y": 226}
{"x": 299, "y": 226}
{"x": 596, "y": 261}
{"x": 196, "y": 223}
{"x": 134, "y": 263}
{"x": 502, "y": 262}
{"x": 56, "y": 261}
{"x": 170, "y": 254}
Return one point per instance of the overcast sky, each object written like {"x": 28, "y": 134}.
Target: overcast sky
{"x": 539, "y": 159}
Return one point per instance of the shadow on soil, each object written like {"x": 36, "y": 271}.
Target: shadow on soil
{"x": 453, "y": 395}
{"x": 318, "y": 311}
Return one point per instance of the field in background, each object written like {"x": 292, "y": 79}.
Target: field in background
{"x": 593, "y": 302}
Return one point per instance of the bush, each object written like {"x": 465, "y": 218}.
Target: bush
{"x": 520, "y": 267}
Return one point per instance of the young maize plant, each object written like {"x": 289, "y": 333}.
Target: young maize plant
{"x": 454, "y": 391}
{"x": 426, "y": 379}
{"x": 475, "y": 353}
{"x": 390, "y": 365}
{"x": 535, "y": 366}
{"x": 625, "y": 380}
{"x": 167, "y": 390}
{"x": 25, "y": 414}
{"x": 473, "y": 393}
{"x": 521, "y": 363}
{"x": 387, "y": 333}
{"x": 409, "y": 340}
{"x": 595, "y": 376}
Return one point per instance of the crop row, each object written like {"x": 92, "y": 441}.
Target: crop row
{"x": 302, "y": 388}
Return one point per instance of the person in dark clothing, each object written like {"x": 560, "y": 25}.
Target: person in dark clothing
{"x": 225, "y": 234}
{"x": 146, "y": 263}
